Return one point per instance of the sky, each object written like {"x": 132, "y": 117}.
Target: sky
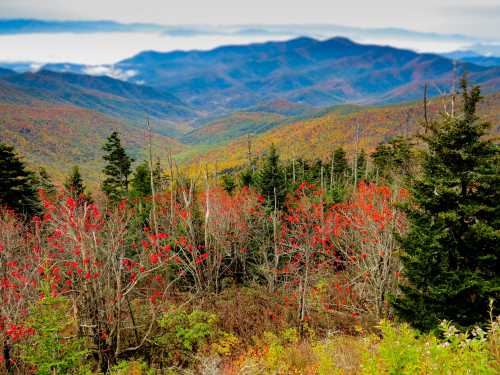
{"x": 476, "y": 18}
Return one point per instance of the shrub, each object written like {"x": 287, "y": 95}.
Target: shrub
{"x": 183, "y": 334}
{"x": 132, "y": 368}
{"x": 280, "y": 353}
{"x": 404, "y": 351}
{"x": 53, "y": 347}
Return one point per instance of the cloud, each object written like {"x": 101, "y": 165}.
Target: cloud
{"x": 446, "y": 16}
{"x": 35, "y": 67}
{"x": 103, "y": 70}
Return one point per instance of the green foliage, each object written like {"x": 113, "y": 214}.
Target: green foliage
{"x": 117, "y": 169}
{"x": 53, "y": 348}
{"x": 44, "y": 182}
{"x": 75, "y": 186}
{"x": 340, "y": 165}
{"x": 246, "y": 178}
{"x": 362, "y": 165}
{"x": 270, "y": 179}
{"x": 17, "y": 188}
{"x": 228, "y": 183}
{"x": 392, "y": 158}
{"x": 451, "y": 250}
{"x": 404, "y": 351}
{"x": 183, "y": 333}
{"x": 132, "y": 367}
{"x": 141, "y": 181}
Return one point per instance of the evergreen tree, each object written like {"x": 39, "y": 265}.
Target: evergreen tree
{"x": 117, "y": 169}
{"x": 361, "y": 167}
{"x": 141, "y": 181}
{"x": 382, "y": 159}
{"x": 270, "y": 179}
{"x": 159, "y": 177}
{"x": 44, "y": 182}
{"x": 246, "y": 178}
{"x": 17, "y": 187}
{"x": 140, "y": 184}
{"x": 75, "y": 186}
{"x": 340, "y": 165}
{"x": 451, "y": 250}
{"x": 228, "y": 183}
{"x": 393, "y": 158}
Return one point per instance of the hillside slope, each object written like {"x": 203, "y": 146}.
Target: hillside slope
{"x": 103, "y": 94}
{"x": 319, "y": 136}
{"x": 58, "y": 136}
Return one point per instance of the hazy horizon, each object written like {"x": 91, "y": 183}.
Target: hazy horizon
{"x": 479, "y": 19}
{"x": 423, "y": 27}
{"x": 107, "y": 47}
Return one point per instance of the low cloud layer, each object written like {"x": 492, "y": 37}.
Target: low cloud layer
{"x": 477, "y": 17}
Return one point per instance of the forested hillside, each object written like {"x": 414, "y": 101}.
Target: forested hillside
{"x": 317, "y": 137}
{"x": 57, "y": 136}
{"x": 221, "y": 142}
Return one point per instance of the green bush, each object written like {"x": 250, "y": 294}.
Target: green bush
{"x": 403, "y": 350}
{"x": 184, "y": 333}
{"x": 132, "y": 367}
{"x": 53, "y": 348}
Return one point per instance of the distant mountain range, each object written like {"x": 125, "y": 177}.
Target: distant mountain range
{"x": 31, "y": 26}
{"x": 184, "y": 86}
{"x": 305, "y": 71}
{"x": 302, "y": 70}
{"x": 473, "y": 58}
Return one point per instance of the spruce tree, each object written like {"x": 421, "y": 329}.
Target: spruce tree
{"x": 228, "y": 183}
{"x": 340, "y": 165}
{"x": 361, "y": 165}
{"x": 75, "y": 186}
{"x": 117, "y": 169}
{"x": 393, "y": 158}
{"x": 246, "y": 178}
{"x": 270, "y": 179}
{"x": 159, "y": 178}
{"x": 17, "y": 185}
{"x": 44, "y": 182}
{"x": 141, "y": 181}
{"x": 451, "y": 250}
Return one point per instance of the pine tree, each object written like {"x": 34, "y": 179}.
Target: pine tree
{"x": 44, "y": 182}
{"x": 117, "y": 169}
{"x": 17, "y": 187}
{"x": 270, "y": 179}
{"x": 393, "y": 158}
{"x": 340, "y": 165}
{"x": 228, "y": 183}
{"x": 361, "y": 167}
{"x": 159, "y": 177}
{"x": 451, "y": 250}
{"x": 75, "y": 186}
{"x": 246, "y": 178}
{"x": 141, "y": 181}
